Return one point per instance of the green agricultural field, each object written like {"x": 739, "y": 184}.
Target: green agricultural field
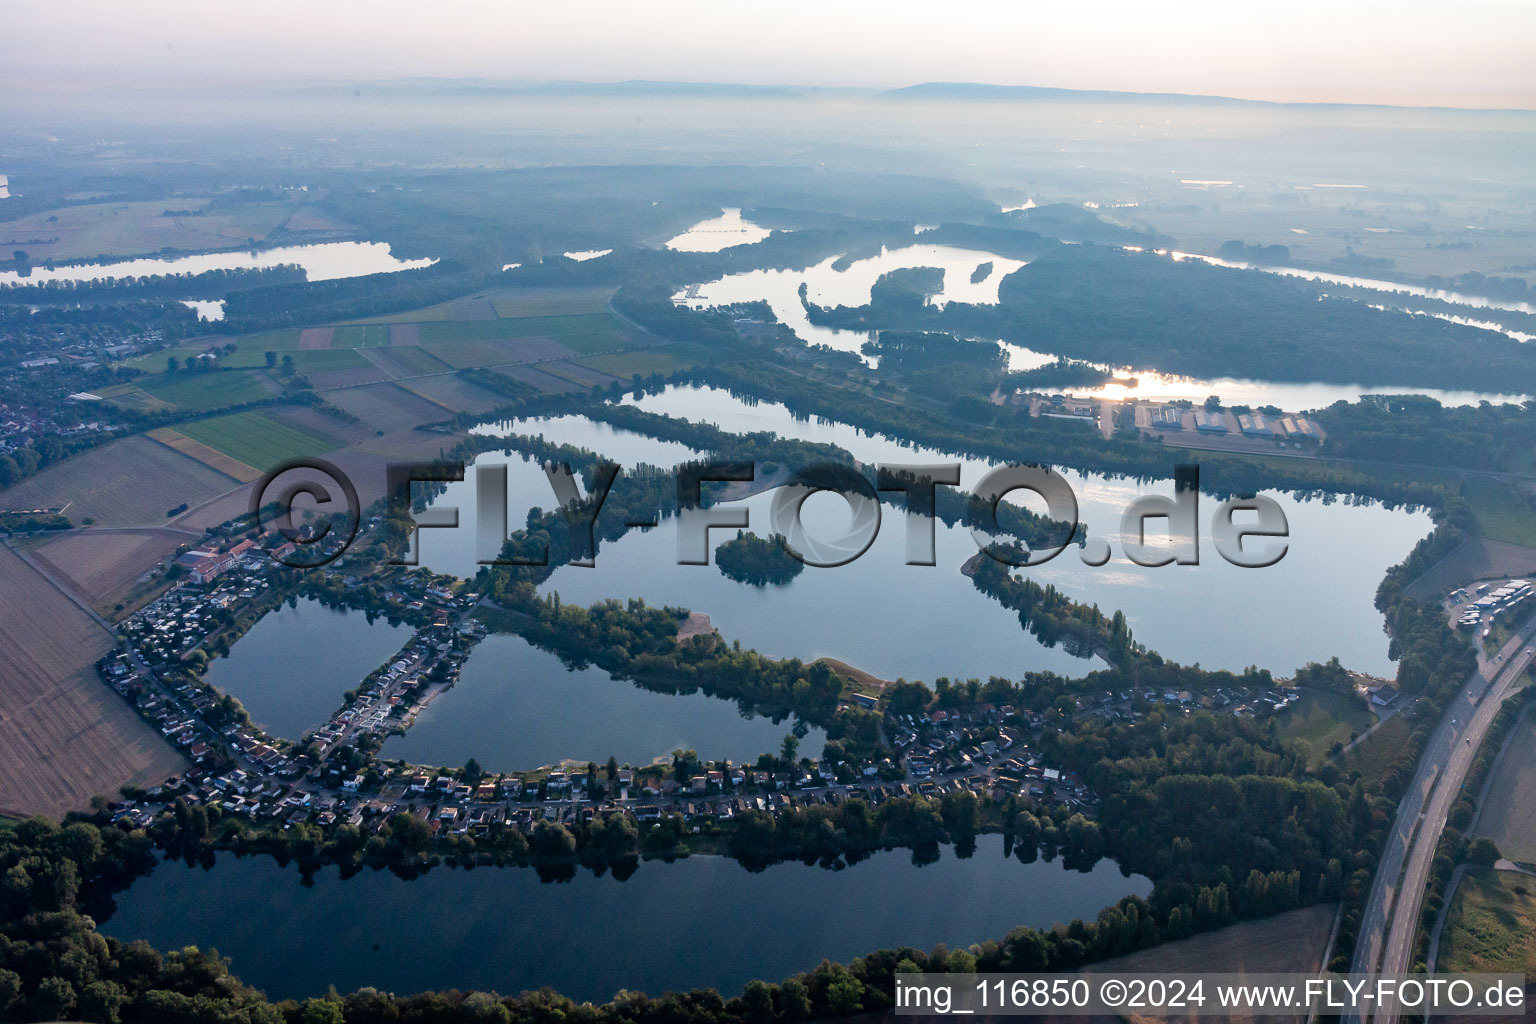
{"x": 589, "y": 333}
{"x": 132, "y": 398}
{"x": 662, "y": 359}
{"x": 155, "y": 362}
{"x": 254, "y": 439}
{"x": 510, "y": 303}
{"x": 1491, "y": 925}
{"x": 1503, "y": 512}
{"x": 203, "y": 392}
{"x": 406, "y": 361}
{"x": 1320, "y": 719}
{"x": 304, "y": 360}
{"x": 524, "y": 302}
{"x": 277, "y": 341}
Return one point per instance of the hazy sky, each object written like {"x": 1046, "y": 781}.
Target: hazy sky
{"x": 1466, "y": 53}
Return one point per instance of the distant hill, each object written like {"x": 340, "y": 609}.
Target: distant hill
{"x": 981, "y": 92}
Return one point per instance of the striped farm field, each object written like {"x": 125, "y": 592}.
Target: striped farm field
{"x": 461, "y": 354}
{"x": 405, "y": 361}
{"x": 254, "y": 439}
{"x": 210, "y": 457}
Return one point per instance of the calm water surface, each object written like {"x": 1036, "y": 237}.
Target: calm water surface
{"x": 1214, "y": 613}
{"x": 517, "y": 707}
{"x": 206, "y": 309}
{"x": 827, "y": 286}
{"x": 1150, "y": 385}
{"x": 876, "y": 613}
{"x": 291, "y": 669}
{"x": 325, "y": 261}
{"x": 722, "y": 232}
{"x": 701, "y": 921}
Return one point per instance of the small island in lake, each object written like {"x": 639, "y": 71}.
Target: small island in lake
{"x": 751, "y": 559}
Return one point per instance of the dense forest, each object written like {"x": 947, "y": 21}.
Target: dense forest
{"x": 1142, "y": 309}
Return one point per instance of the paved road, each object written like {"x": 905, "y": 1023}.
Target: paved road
{"x": 1391, "y": 921}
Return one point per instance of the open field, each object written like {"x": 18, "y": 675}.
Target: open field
{"x": 320, "y": 422}
{"x": 1504, "y": 511}
{"x": 1379, "y": 750}
{"x": 453, "y": 392}
{"x": 539, "y": 379}
{"x": 1509, "y": 812}
{"x": 316, "y": 337}
{"x": 359, "y": 337}
{"x": 130, "y": 482}
{"x": 579, "y": 374}
{"x": 386, "y": 407}
{"x": 322, "y": 380}
{"x": 473, "y": 308}
{"x": 509, "y": 303}
{"x": 461, "y": 354}
{"x": 1289, "y": 942}
{"x": 405, "y": 360}
{"x": 154, "y": 362}
{"x": 221, "y": 508}
{"x": 1491, "y": 925}
{"x": 588, "y": 333}
{"x": 209, "y": 457}
{"x": 305, "y": 361}
{"x": 255, "y": 439}
{"x": 104, "y": 568}
{"x": 1477, "y": 558}
{"x": 524, "y": 350}
{"x": 64, "y": 735}
{"x": 1320, "y": 719}
{"x": 203, "y": 392}
{"x": 132, "y": 398}
{"x": 366, "y": 461}
{"x": 516, "y": 302}
{"x": 137, "y": 228}
{"x": 661, "y": 359}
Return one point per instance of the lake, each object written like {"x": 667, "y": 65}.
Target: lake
{"x": 1150, "y": 385}
{"x": 828, "y": 286}
{"x": 527, "y": 486}
{"x": 718, "y": 233}
{"x": 700, "y": 921}
{"x": 206, "y": 309}
{"x": 877, "y": 613}
{"x": 1213, "y": 613}
{"x": 324, "y": 261}
{"x": 291, "y": 668}
{"x": 516, "y": 707}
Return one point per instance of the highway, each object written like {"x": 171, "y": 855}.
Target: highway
{"x": 1386, "y": 940}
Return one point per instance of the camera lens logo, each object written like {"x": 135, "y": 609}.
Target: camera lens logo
{"x": 328, "y": 529}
